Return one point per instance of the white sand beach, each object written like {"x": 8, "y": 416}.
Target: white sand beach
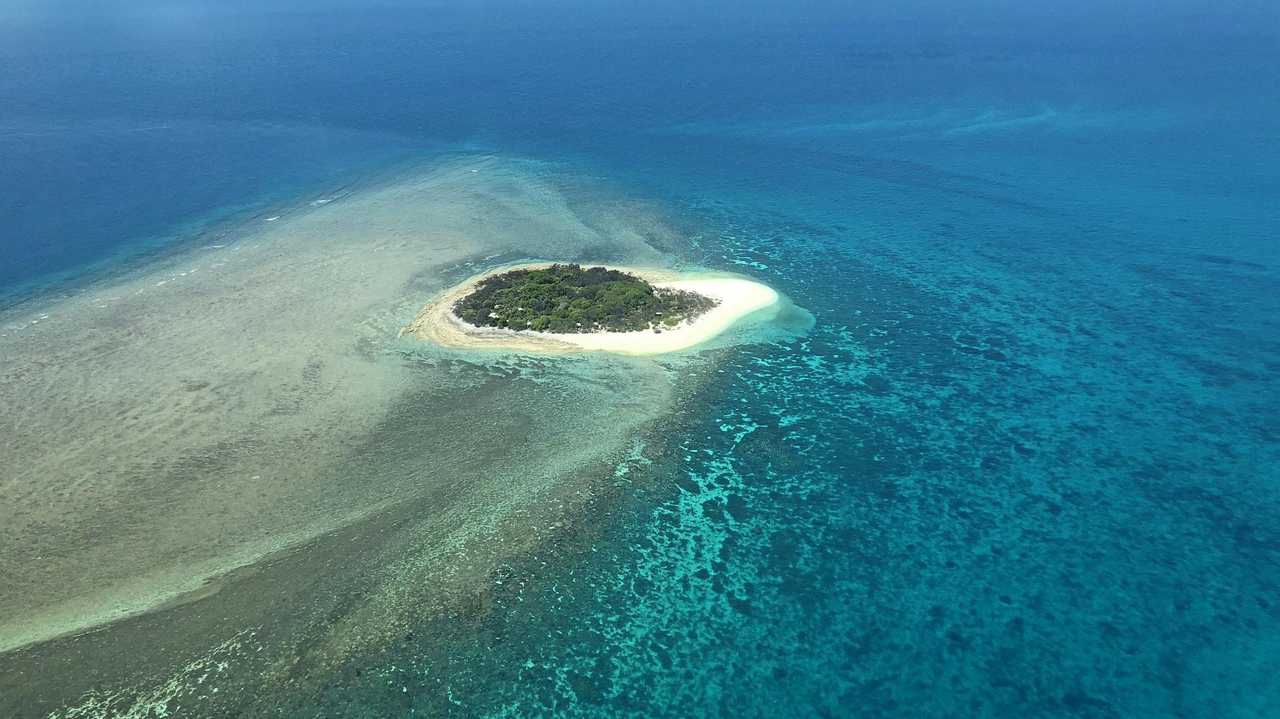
{"x": 737, "y": 297}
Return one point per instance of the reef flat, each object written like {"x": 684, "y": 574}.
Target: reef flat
{"x": 188, "y": 431}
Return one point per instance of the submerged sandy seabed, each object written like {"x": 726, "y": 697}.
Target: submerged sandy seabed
{"x": 736, "y": 297}
{"x": 235, "y": 400}
{"x": 234, "y": 438}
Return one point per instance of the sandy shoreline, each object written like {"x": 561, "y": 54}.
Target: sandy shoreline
{"x": 737, "y": 298}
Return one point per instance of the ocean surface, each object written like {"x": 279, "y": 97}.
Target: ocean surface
{"x": 1016, "y": 453}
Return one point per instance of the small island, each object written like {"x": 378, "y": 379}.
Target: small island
{"x": 567, "y": 298}
{"x": 560, "y": 307}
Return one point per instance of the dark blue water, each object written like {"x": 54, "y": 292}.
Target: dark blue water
{"x": 1025, "y": 464}
{"x": 121, "y": 121}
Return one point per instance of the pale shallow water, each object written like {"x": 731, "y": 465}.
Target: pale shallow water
{"x": 204, "y": 414}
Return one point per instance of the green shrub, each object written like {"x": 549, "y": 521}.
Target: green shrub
{"x": 570, "y": 298}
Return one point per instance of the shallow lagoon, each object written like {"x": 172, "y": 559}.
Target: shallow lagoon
{"x": 192, "y": 430}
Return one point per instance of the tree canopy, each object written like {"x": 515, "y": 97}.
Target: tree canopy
{"x": 568, "y": 298}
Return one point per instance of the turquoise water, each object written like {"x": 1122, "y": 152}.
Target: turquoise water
{"x": 1025, "y": 464}
{"x": 1000, "y": 478}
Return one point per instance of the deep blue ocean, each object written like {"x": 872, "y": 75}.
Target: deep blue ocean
{"x": 1027, "y": 463}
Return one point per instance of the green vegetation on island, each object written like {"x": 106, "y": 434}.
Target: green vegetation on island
{"x": 570, "y": 298}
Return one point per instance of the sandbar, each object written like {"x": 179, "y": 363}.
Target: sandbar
{"x": 178, "y": 419}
